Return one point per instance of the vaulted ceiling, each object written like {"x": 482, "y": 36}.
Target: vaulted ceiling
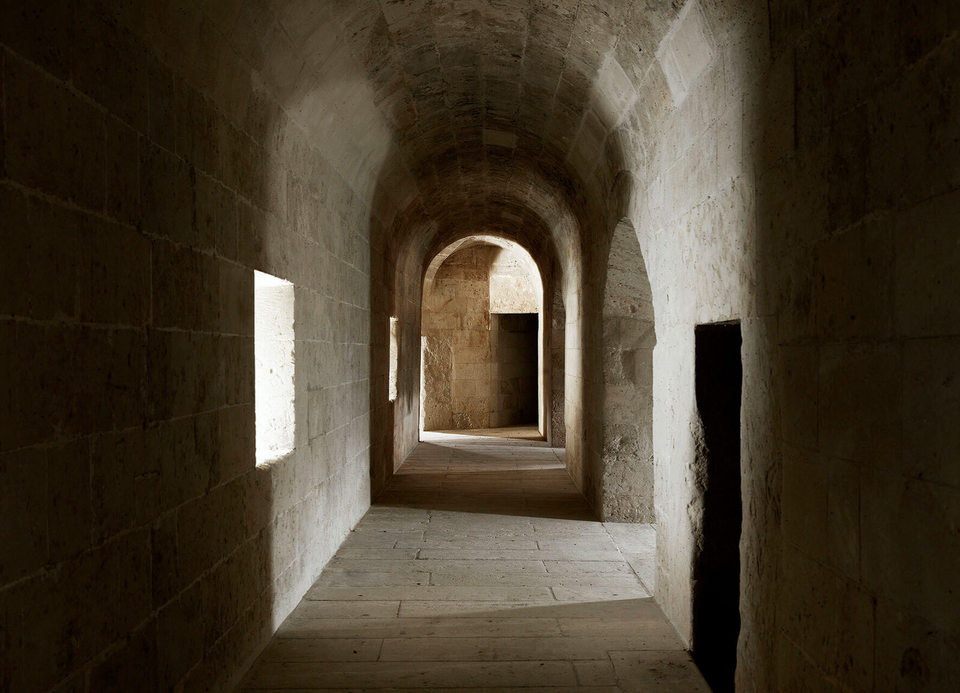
{"x": 489, "y": 100}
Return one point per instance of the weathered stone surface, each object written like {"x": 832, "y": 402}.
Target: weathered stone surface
{"x": 480, "y": 367}
{"x": 366, "y": 631}
{"x": 791, "y": 166}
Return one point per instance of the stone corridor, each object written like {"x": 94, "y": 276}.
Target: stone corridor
{"x": 482, "y": 567}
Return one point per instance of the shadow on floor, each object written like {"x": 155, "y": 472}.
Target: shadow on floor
{"x": 423, "y": 641}
{"x": 494, "y": 471}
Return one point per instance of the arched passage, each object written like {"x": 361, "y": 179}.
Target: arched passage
{"x": 543, "y": 221}
{"x": 628, "y": 338}
{"x": 483, "y": 337}
{"x": 619, "y": 338}
{"x": 794, "y": 171}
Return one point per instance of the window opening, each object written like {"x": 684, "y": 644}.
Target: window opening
{"x": 394, "y": 357}
{"x": 274, "y": 355}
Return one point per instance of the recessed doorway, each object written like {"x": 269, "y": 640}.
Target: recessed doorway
{"x": 716, "y": 595}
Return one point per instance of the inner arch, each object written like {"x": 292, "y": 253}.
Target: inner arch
{"x": 483, "y": 340}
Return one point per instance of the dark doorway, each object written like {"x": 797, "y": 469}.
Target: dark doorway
{"x": 515, "y": 372}
{"x": 716, "y": 594}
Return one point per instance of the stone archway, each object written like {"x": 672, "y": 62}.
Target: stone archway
{"x": 480, "y": 292}
{"x": 627, "y": 342}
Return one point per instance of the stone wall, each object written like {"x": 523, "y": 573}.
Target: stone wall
{"x": 456, "y": 328}
{"x": 619, "y": 439}
{"x": 793, "y": 169}
{"x": 793, "y": 183}
{"x": 857, "y": 253}
{"x": 462, "y": 355}
{"x": 557, "y": 352}
{"x": 149, "y": 163}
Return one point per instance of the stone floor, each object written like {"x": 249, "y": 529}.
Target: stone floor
{"x": 481, "y": 567}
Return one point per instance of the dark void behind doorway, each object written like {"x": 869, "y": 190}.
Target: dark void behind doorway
{"x": 716, "y": 594}
{"x": 515, "y": 372}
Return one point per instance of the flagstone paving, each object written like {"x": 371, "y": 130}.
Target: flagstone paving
{"x": 481, "y": 567}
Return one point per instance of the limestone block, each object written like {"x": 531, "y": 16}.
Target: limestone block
{"x": 24, "y": 512}
{"x": 186, "y": 285}
{"x": 165, "y": 570}
{"x": 463, "y": 389}
{"x": 910, "y": 130}
{"x": 114, "y": 275}
{"x": 117, "y": 460}
{"x": 880, "y": 508}
{"x": 198, "y": 125}
{"x": 241, "y": 163}
{"x": 462, "y": 371}
{"x": 251, "y": 225}
{"x": 911, "y": 653}
{"x": 221, "y": 600}
{"x": 933, "y": 564}
{"x": 185, "y": 375}
{"x": 96, "y": 575}
{"x": 843, "y": 614}
{"x": 930, "y": 440}
{"x": 179, "y": 637}
{"x": 38, "y": 269}
{"x": 9, "y": 415}
{"x": 47, "y": 652}
{"x": 236, "y": 310}
{"x": 113, "y": 364}
{"x": 658, "y": 671}
{"x": 799, "y": 368}
{"x": 852, "y": 298}
{"x": 926, "y": 268}
{"x": 189, "y": 456}
{"x": 54, "y": 139}
{"x": 166, "y": 195}
{"x": 858, "y": 403}
{"x": 110, "y": 65}
{"x": 42, "y": 34}
{"x": 199, "y": 536}
{"x": 628, "y": 332}
{"x": 237, "y": 360}
{"x": 853, "y": 657}
{"x": 69, "y": 515}
{"x": 161, "y": 97}
{"x": 843, "y": 518}
{"x": 208, "y": 196}
{"x": 51, "y": 382}
{"x": 473, "y": 355}
{"x": 227, "y": 223}
{"x": 788, "y": 218}
{"x": 123, "y": 162}
{"x": 133, "y": 580}
{"x": 133, "y": 665}
{"x": 848, "y": 147}
{"x": 796, "y": 669}
{"x": 895, "y": 565}
{"x": 808, "y": 609}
